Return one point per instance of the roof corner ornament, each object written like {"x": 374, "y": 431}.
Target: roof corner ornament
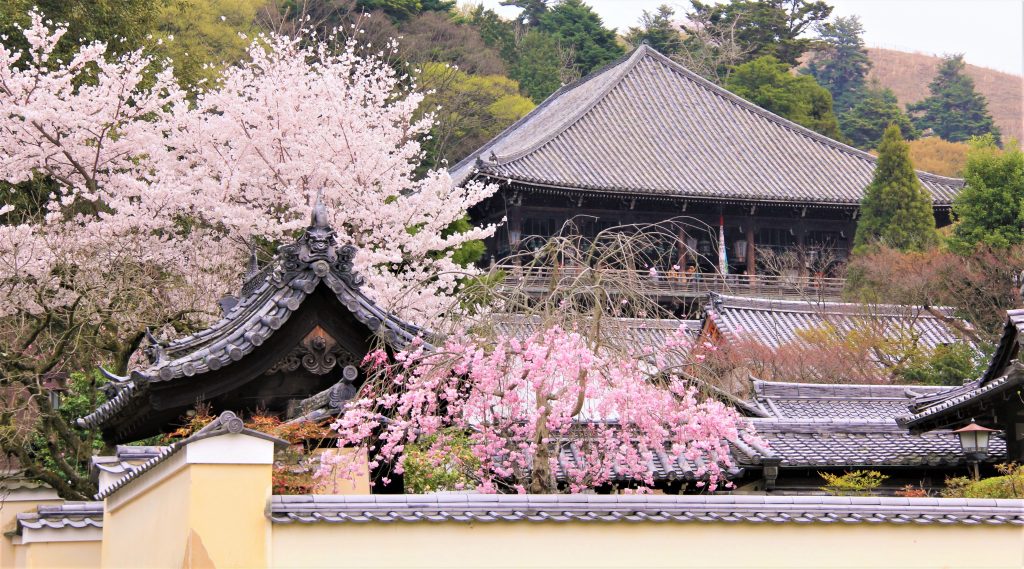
{"x": 154, "y": 350}
{"x": 317, "y": 250}
{"x": 254, "y": 265}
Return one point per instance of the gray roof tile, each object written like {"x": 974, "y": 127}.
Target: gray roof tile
{"x": 67, "y": 515}
{"x": 646, "y": 125}
{"x": 823, "y": 443}
{"x": 774, "y": 323}
{"x": 786, "y": 400}
{"x": 471, "y": 507}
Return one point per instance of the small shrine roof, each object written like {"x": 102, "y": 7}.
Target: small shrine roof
{"x": 273, "y": 296}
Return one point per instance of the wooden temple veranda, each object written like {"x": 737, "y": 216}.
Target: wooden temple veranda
{"x": 645, "y": 140}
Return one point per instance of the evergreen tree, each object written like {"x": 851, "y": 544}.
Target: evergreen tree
{"x": 954, "y": 110}
{"x": 540, "y": 65}
{"x": 658, "y": 30}
{"x": 767, "y": 83}
{"x": 762, "y": 27}
{"x": 865, "y": 122}
{"x": 532, "y": 10}
{"x": 843, "y": 64}
{"x": 578, "y": 27}
{"x": 990, "y": 209}
{"x": 896, "y": 209}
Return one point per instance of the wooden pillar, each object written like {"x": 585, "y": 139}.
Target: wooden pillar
{"x": 751, "y": 250}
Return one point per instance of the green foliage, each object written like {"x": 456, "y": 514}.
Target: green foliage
{"x": 764, "y": 27}
{"x": 1009, "y": 485}
{"x": 468, "y": 109}
{"x": 856, "y": 483}
{"x": 405, "y": 9}
{"x": 202, "y": 35}
{"x": 843, "y": 64}
{"x": 990, "y": 209}
{"x": 539, "y": 65}
{"x": 896, "y": 209}
{"x": 122, "y": 24}
{"x": 954, "y": 110}
{"x": 470, "y": 251}
{"x": 579, "y": 28}
{"x": 81, "y": 397}
{"x": 440, "y": 462}
{"x": 532, "y": 10}
{"x": 658, "y": 30}
{"x": 947, "y": 364}
{"x": 767, "y": 83}
{"x": 497, "y": 33}
{"x": 866, "y": 121}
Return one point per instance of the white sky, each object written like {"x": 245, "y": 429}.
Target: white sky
{"x": 989, "y": 33}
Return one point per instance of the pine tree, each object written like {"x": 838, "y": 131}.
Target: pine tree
{"x": 578, "y": 27}
{"x": 954, "y": 111}
{"x": 842, "y": 66}
{"x": 866, "y": 121}
{"x": 658, "y": 30}
{"x": 897, "y": 210}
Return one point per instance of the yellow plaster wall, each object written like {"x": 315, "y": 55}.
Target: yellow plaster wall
{"x": 150, "y": 530}
{"x": 228, "y": 515}
{"x": 202, "y": 515}
{"x": 648, "y": 545}
{"x": 13, "y": 503}
{"x": 59, "y": 554}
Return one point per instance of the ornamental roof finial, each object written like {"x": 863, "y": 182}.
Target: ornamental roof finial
{"x": 320, "y": 219}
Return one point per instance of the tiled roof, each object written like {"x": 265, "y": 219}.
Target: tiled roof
{"x": 67, "y": 515}
{"x": 958, "y": 404}
{"x": 1003, "y": 378}
{"x": 631, "y": 333}
{"x": 124, "y": 459}
{"x": 646, "y": 125}
{"x": 1006, "y": 350}
{"x": 640, "y": 508}
{"x": 774, "y": 323}
{"x": 250, "y": 322}
{"x": 785, "y": 400}
{"x": 824, "y": 443}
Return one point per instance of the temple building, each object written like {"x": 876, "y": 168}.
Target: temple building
{"x": 645, "y": 140}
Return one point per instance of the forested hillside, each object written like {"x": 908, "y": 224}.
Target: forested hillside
{"x": 908, "y": 74}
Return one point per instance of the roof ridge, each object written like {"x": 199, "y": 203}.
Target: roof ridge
{"x": 782, "y": 121}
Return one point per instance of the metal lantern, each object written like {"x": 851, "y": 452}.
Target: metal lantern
{"x": 974, "y": 441}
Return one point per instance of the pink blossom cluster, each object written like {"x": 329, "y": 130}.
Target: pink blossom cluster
{"x": 183, "y": 184}
{"x": 596, "y": 417}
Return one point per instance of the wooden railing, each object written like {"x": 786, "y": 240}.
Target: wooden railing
{"x": 666, "y": 286}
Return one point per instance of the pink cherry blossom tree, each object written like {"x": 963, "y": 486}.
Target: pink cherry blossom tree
{"x": 542, "y": 413}
{"x": 133, "y": 203}
{"x": 550, "y": 391}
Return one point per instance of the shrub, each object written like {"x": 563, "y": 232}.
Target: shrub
{"x": 1009, "y": 485}
{"x": 856, "y": 483}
